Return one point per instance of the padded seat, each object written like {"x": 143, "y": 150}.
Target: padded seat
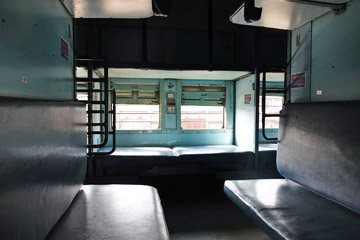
{"x": 137, "y": 156}
{"x": 210, "y": 149}
{"x": 287, "y": 210}
{"x": 141, "y": 151}
{"x": 219, "y": 157}
{"x": 153, "y": 160}
{"x": 125, "y": 212}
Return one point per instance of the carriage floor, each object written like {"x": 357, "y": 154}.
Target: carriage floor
{"x": 196, "y": 208}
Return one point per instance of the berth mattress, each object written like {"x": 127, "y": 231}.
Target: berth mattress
{"x": 125, "y": 212}
{"x": 287, "y": 210}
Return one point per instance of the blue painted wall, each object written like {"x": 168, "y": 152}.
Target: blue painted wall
{"x": 30, "y": 46}
{"x": 334, "y": 57}
{"x": 245, "y": 114}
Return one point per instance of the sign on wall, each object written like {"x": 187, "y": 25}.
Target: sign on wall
{"x": 64, "y": 49}
{"x": 247, "y": 98}
{"x": 298, "y": 80}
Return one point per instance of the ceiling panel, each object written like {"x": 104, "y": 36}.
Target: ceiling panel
{"x": 165, "y": 74}
{"x": 283, "y": 14}
{"x": 109, "y": 8}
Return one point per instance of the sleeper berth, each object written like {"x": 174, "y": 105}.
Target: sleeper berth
{"x": 318, "y": 154}
{"x": 137, "y": 159}
{"x": 125, "y": 212}
{"x": 43, "y": 167}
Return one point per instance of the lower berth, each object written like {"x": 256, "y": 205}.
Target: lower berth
{"x": 168, "y": 161}
{"x": 287, "y": 210}
{"x": 126, "y": 212}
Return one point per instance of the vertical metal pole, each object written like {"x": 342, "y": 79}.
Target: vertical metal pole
{"x": 257, "y": 101}
{"x": 257, "y": 94}
{"x": 144, "y": 41}
{"x": 210, "y": 34}
{"x": 288, "y": 69}
{"x": 74, "y": 56}
{"x": 90, "y": 171}
{"x": 263, "y": 102}
{"x": 89, "y": 106}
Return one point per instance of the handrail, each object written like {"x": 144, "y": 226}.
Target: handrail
{"x": 106, "y": 110}
{"x": 113, "y": 126}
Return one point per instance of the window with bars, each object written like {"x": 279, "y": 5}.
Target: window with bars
{"x": 203, "y": 106}
{"x": 273, "y": 106}
{"x": 137, "y": 105}
{"x": 274, "y": 99}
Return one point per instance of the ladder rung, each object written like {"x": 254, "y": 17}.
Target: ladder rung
{"x": 87, "y": 90}
{"x": 272, "y": 115}
{"x": 90, "y": 60}
{"x": 99, "y": 132}
{"x": 90, "y": 79}
{"x": 98, "y": 112}
{"x": 92, "y": 102}
{"x": 95, "y": 124}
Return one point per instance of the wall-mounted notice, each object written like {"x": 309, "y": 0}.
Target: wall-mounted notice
{"x": 247, "y": 98}
{"x": 298, "y": 80}
{"x": 64, "y": 49}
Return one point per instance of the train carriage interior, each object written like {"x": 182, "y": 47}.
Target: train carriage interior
{"x": 179, "y": 119}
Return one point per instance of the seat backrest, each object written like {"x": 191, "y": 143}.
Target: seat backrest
{"x": 319, "y": 148}
{"x": 42, "y": 164}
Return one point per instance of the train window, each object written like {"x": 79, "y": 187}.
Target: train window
{"x": 203, "y": 106}
{"x": 202, "y": 117}
{"x": 137, "y": 117}
{"x": 274, "y": 99}
{"x": 137, "y": 105}
{"x": 273, "y": 106}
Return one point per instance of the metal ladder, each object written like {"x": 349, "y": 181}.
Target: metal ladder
{"x": 264, "y": 91}
{"x": 106, "y": 110}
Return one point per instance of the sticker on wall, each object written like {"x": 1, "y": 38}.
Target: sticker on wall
{"x": 24, "y": 79}
{"x": 64, "y": 49}
{"x": 298, "y": 40}
{"x": 298, "y": 80}
{"x": 247, "y": 98}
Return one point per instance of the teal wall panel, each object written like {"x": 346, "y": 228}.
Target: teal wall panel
{"x": 171, "y": 133}
{"x": 30, "y": 46}
{"x": 334, "y": 60}
{"x": 245, "y": 114}
{"x": 170, "y": 120}
{"x": 336, "y": 55}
